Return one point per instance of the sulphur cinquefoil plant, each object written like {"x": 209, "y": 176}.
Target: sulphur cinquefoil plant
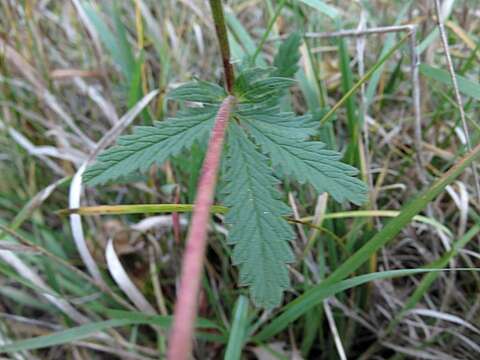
{"x": 264, "y": 145}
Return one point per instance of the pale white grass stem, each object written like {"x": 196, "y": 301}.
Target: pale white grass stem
{"x": 458, "y": 97}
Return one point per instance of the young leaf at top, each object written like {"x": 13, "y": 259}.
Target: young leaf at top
{"x": 286, "y": 60}
{"x": 260, "y": 90}
{"x": 198, "y": 91}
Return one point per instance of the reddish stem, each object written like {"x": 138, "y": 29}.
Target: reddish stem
{"x": 180, "y": 345}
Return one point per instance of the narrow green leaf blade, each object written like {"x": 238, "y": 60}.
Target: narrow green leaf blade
{"x": 324, "y": 8}
{"x": 388, "y": 44}
{"x": 116, "y": 44}
{"x": 126, "y": 59}
{"x": 311, "y": 298}
{"x": 322, "y": 291}
{"x": 236, "y": 339}
{"x": 465, "y": 86}
{"x": 424, "y": 285}
{"x": 63, "y": 337}
{"x": 119, "y": 318}
{"x": 242, "y": 38}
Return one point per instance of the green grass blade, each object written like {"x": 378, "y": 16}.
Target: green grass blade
{"x": 137, "y": 209}
{"x": 265, "y": 35}
{"x": 65, "y": 336}
{"x": 383, "y": 213}
{"x": 243, "y": 38}
{"x": 238, "y": 331}
{"x": 219, "y": 209}
{"x": 320, "y": 292}
{"x": 397, "y": 224}
{"x": 107, "y": 37}
{"x": 359, "y": 83}
{"x": 352, "y": 155}
{"x": 116, "y": 43}
{"x": 306, "y": 301}
{"x": 162, "y": 321}
{"x": 387, "y": 45}
{"x": 428, "y": 279}
{"x": 430, "y": 38}
{"x": 84, "y": 331}
{"x": 324, "y": 8}
{"x": 465, "y": 86}
{"x": 135, "y": 89}
{"x": 127, "y": 59}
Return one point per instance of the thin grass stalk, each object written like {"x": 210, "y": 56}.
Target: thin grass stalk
{"x": 180, "y": 345}
{"x": 359, "y": 83}
{"x": 268, "y": 30}
{"x": 456, "y": 91}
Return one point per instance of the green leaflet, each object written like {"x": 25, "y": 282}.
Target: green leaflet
{"x": 248, "y": 75}
{"x": 151, "y": 144}
{"x": 259, "y": 233}
{"x": 284, "y": 123}
{"x": 264, "y": 89}
{"x": 199, "y": 91}
{"x": 306, "y": 161}
{"x": 286, "y": 60}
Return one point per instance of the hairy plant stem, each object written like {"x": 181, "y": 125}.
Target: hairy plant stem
{"x": 180, "y": 345}
{"x": 222, "y": 36}
{"x": 181, "y": 336}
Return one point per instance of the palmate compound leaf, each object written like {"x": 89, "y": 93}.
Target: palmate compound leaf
{"x": 152, "y": 144}
{"x": 259, "y": 233}
{"x": 306, "y": 161}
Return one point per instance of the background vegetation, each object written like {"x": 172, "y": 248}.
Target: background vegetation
{"x": 72, "y": 70}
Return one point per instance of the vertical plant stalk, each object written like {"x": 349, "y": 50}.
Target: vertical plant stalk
{"x": 415, "y": 62}
{"x": 458, "y": 97}
{"x": 180, "y": 345}
{"x": 181, "y": 336}
{"x": 364, "y": 78}
{"x": 268, "y": 30}
{"x": 222, "y": 36}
